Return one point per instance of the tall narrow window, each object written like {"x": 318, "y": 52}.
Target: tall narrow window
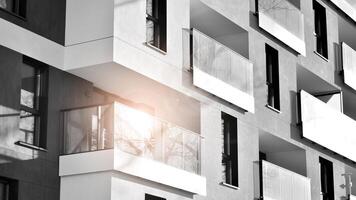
{"x": 8, "y": 189}
{"x": 17, "y": 7}
{"x": 272, "y": 77}
{"x": 327, "y": 179}
{"x": 320, "y": 29}
{"x": 229, "y": 155}
{"x": 156, "y": 23}
{"x": 151, "y": 197}
{"x": 33, "y": 103}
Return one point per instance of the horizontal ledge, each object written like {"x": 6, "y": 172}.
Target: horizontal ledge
{"x": 273, "y": 109}
{"x": 155, "y": 48}
{"x": 321, "y": 56}
{"x": 229, "y": 186}
{"x": 30, "y": 146}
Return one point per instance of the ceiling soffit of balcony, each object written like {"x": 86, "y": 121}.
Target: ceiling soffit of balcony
{"x": 312, "y": 83}
{"x": 218, "y": 27}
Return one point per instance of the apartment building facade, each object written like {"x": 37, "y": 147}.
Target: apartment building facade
{"x": 168, "y": 99}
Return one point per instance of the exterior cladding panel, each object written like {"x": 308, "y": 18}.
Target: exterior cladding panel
{"x": 44, "y": 17}
{"x": 37, "y": 172}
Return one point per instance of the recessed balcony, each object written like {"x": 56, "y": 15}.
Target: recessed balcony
{"x": 280, "y": 173}
{"x": 284, "y": 21}
{"x": 282, "y": 184}
{"x": 327, "y": 126}
{"x": 221, "y": 71}
{"x": 118, "y": 138}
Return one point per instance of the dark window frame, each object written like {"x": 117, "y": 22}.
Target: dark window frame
{"x": 11, "y": 187}
{"x": 326, "y": 179}
{"x": 18, "y": 8}
{"x": 152, "y": 197}
{"x": 320, "y": 29}
{"x": 159, "y": 20}
{"x": 272, "y": 78}
{"x": 39, "y": 110}
{"x": 230, "y": 149}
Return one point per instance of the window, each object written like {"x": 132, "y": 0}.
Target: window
{"x": 33, "y": 102}
{"x": 151, "y": 197}
{"x": 229, "y": 155}
{"x": 156, "y": 23}
{"x": 272, "y": 77}
{"x": 327, "y": 179}
{"x": 320, "y": 29}
{"x": 8, "y": 189}
{"x": 17, "y": 7}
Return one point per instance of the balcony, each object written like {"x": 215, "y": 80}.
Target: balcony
{"x": 119, "y": 138}
{"x": 347, "y": 6}
{"x": 327, "y": 125}
{"x": 349, "y": 65}
{"x": 284, "y": 21}
{"x": 281, "y": 184}
{"x": 221, "y": 71}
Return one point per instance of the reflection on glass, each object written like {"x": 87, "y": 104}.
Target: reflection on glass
{"x": 132, "y": 131}
{"x": 3, "y": 4}
{"x": 27, "y": 126}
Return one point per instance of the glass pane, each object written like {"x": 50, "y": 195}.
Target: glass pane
{"x": 149, "y": 7}
{"x": 27, "y": 126}
{"x": 6, "y": 4}
{"x": 2, "y": 191}
{"x": 150, "y": 31}
{"x": 28, "y": 90}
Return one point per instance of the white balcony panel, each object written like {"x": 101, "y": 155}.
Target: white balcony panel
{"x": 346, "y": 7}
{"x": 352, "y": 197}
{"x": 117, "y": 160}
{"x": 222, "y": 72}
{"x": 284, "y": 21}
{"x": 349, "y": 65}
{"x": 327, "y": 126}
{"x": 282, "y": 184}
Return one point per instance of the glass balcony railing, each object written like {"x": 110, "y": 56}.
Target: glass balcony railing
{"x": 349, "y": 65}
{"x": 281, "y": 184}
{"x": 284, "y": 21}
{"x": 327, "y": 126}
{"x": 221, "y": 71}
{"x": 120, "y": 127}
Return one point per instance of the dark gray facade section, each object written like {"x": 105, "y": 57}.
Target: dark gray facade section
{"x": 37, "y": 171}
{"x": 44, "y": 17}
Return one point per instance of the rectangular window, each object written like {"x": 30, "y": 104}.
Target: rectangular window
{"x": 151, "y": 197}
{"x": 320, "y": 29}
{"x": 33, "y": 102}
{"x": 8, "y": 189}
{"x": 229, "y": 155}
{"x": 272, "y": 78}
{"x": 327, "y": 179}
{"x": 17, "y": 7}
{"x": 156, "y": 23}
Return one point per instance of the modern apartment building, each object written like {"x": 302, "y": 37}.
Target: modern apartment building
{"x": 177, "y": 99}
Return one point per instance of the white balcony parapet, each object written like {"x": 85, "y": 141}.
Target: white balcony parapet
{"x": 132, "y": 142}
{"x": 327, "y": 126}
{"x": 352, "y": 197}
{"x": 281, "y": 184}
{"x": 346, "y": 7}
{"x": 349, "y": 65}
{"x": 284, "y": 21}
{"x": 222, "y": 72}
